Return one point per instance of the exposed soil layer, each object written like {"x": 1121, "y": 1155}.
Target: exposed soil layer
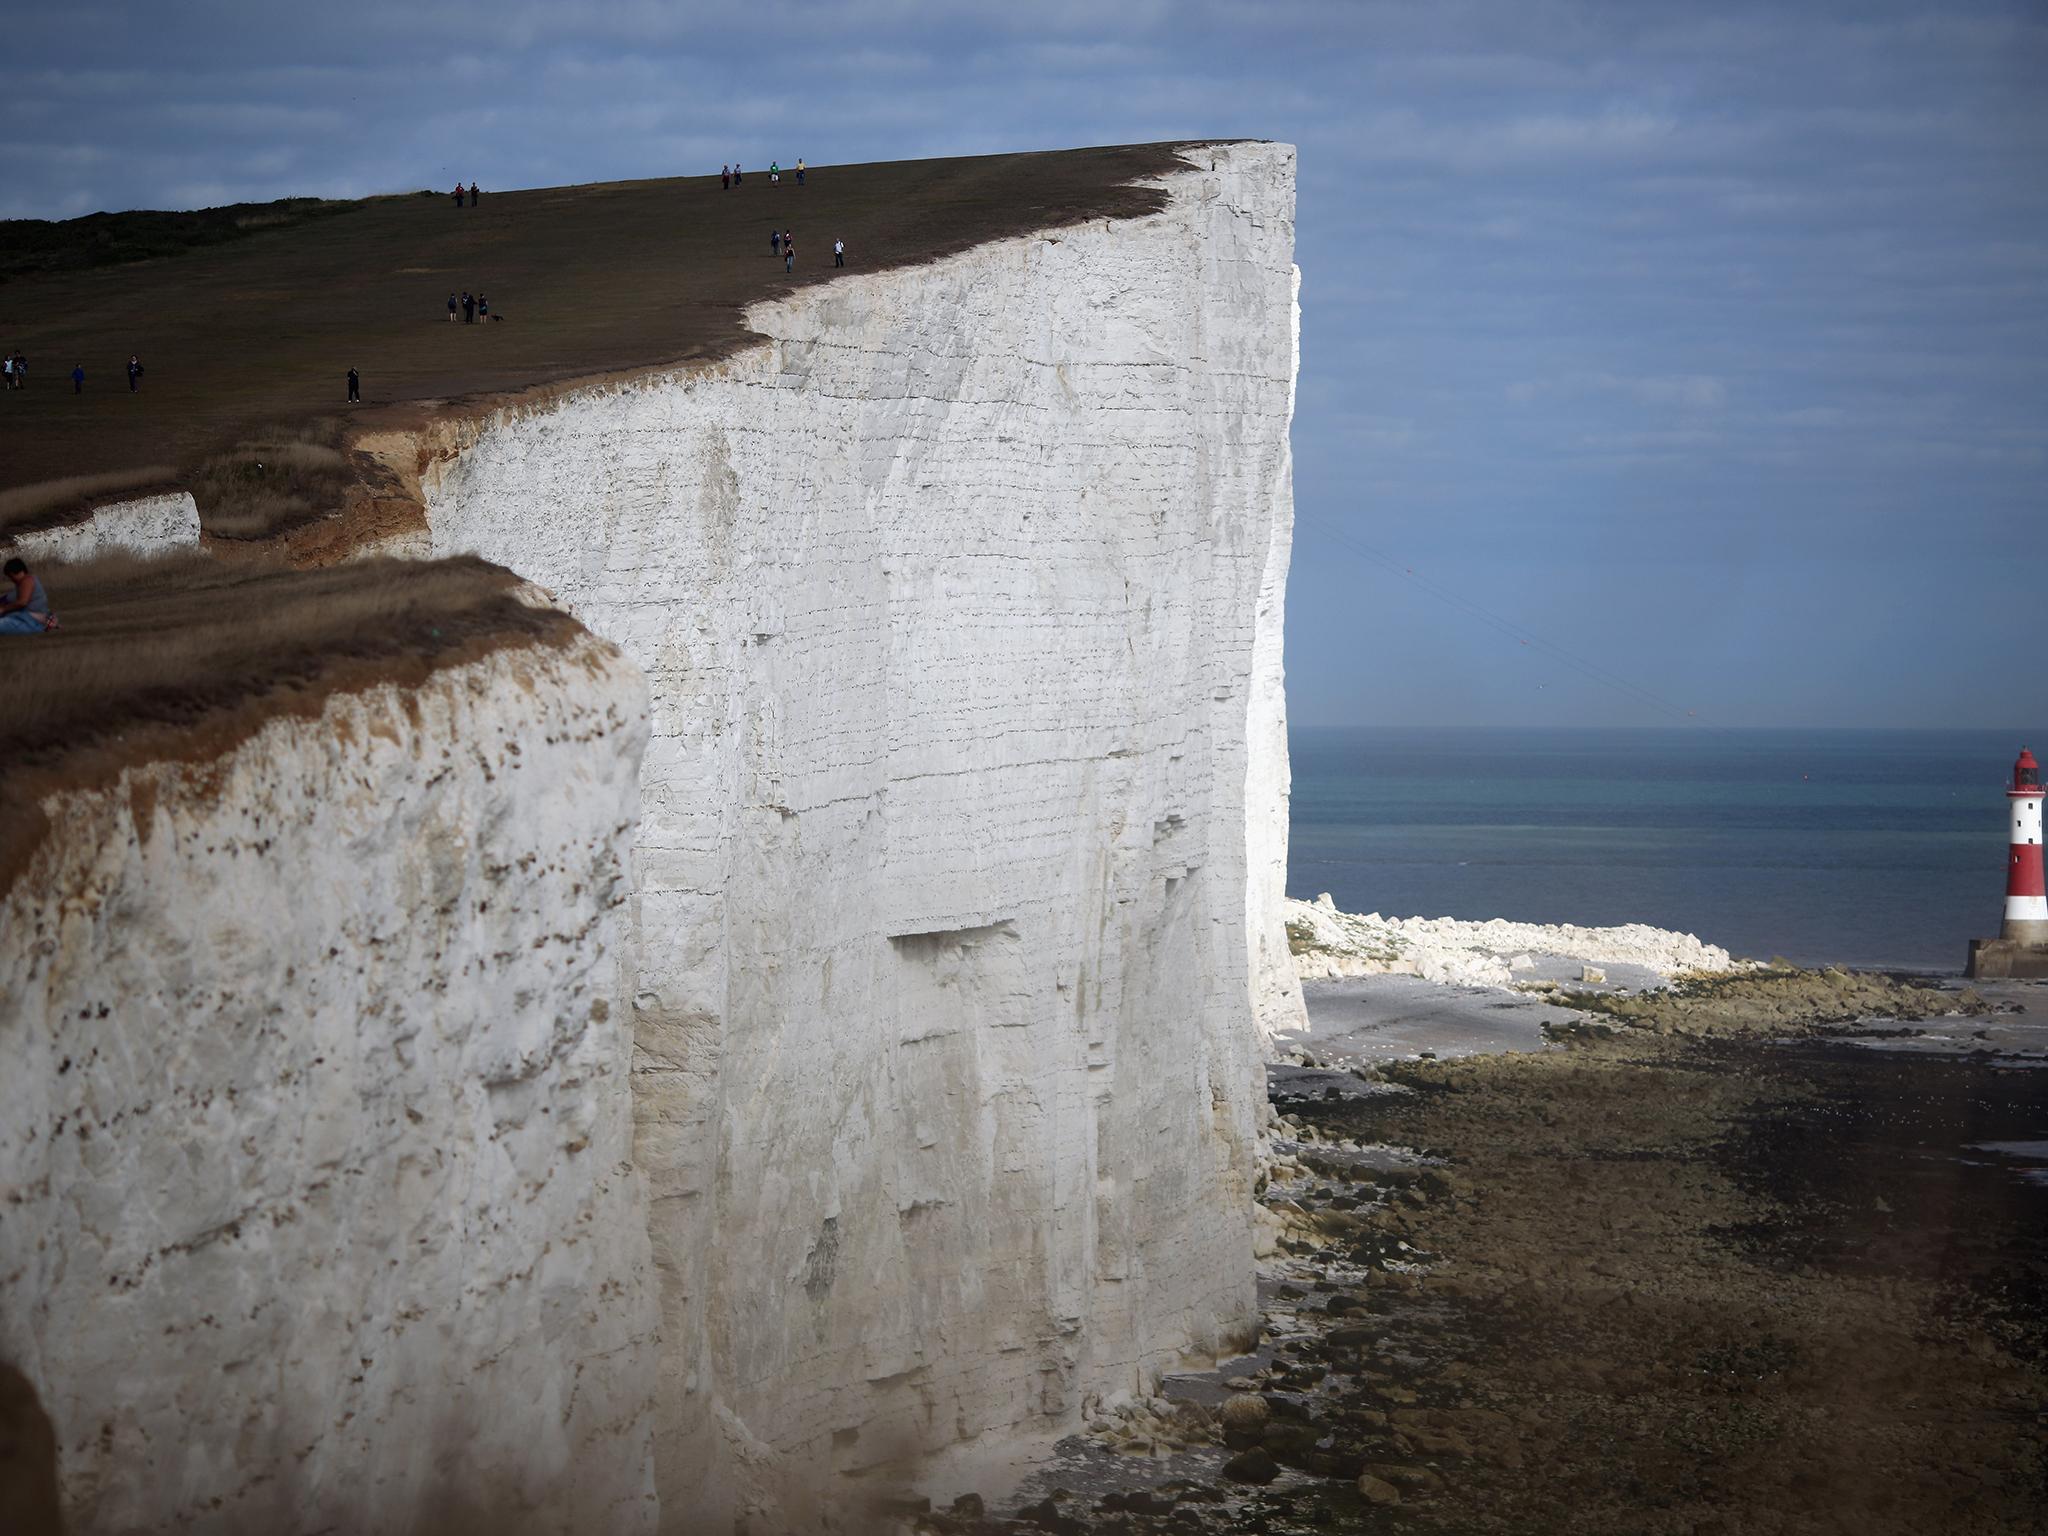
{"x": 1727, "y": 1282}
{"x": 254, "y": 337}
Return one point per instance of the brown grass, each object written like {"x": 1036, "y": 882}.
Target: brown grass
{"x": 276, "y": 481}
{"x": 53, "y": 502}
{"x": 250, "y": 338}
{"x": 184, "y": 657}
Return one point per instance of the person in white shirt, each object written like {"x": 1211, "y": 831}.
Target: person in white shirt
{"x": 838, "y": 253}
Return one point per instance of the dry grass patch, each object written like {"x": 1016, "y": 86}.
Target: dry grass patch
{"x": 51, "y": 502}
{"x": 184, "y": 657}
{"x": 275, "y": 481}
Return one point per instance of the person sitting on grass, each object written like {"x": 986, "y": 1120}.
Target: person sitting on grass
{"x": 26, "y": 611}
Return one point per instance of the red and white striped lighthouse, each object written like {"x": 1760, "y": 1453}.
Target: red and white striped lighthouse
{"x": 2026, "y": 897}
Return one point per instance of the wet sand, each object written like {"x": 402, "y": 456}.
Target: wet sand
{"x": 1747, "y": 1276}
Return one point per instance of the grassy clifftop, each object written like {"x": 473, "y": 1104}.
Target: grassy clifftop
{"x": 251, "y": 337}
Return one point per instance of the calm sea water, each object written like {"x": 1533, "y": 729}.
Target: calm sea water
{"x": 1871, "y": 848}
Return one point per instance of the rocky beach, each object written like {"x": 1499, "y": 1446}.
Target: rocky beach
{"x": 1635, "y": 1238}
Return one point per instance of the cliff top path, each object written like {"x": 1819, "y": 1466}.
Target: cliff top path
{"x": 251, "y": 337}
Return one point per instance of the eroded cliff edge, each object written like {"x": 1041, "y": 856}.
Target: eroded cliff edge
{"x": 960, "y": 602}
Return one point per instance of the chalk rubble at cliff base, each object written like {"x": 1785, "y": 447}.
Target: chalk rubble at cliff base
{"x": 1329, "y": 943}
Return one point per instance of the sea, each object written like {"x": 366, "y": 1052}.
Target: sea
{"x": 1878, "y": 849}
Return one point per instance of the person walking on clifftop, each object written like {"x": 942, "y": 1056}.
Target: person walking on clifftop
{"x": 838, "y": 253}
{"x": 725, "y": 178}
{"x": 355, "y": 387}
{"x": 134, "y": 373}
{"x": 78, "y": 379}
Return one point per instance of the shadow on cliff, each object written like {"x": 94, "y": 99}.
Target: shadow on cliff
{"x": 28, "y": 1460}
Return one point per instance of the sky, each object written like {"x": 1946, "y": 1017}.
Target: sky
{"x": 1661, "y": 363}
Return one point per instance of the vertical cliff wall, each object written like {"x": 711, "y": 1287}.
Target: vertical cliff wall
{"x": 317, "y": 1208}
{"x": 960, "y": 601}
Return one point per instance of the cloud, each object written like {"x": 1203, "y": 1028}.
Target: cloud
{"x": 1688, "y": 391}
{"x": 1576, "y": 268}
{"x": 1615, "y": 132}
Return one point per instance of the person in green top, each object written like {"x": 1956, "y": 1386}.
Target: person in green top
{"x": 774, "y": 172}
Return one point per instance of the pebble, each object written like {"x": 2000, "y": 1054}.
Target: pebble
{"x": 1245, "y": 1408}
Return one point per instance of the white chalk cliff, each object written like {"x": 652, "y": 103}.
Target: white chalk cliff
{"x": 953, "y": 937}
{"x": 960, "y": 602}
{"x": 146, "y": 525}
{"x": 317, "y": 1202}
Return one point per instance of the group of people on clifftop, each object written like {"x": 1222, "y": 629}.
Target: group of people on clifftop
{"x": 14, "y": 368}
{"x": 779, "y": 241}
{"x": 730, "y": 176}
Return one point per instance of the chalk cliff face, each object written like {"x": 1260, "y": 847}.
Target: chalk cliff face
{"x": 957, "y": 886}
{"x": 147, "y": 525}
{"x": 314, "y": 1130}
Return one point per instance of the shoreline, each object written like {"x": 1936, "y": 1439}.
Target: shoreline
{"x": 1705, "y": 1258}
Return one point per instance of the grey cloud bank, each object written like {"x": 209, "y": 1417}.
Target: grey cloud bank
{"x": 1704, "y": 341}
